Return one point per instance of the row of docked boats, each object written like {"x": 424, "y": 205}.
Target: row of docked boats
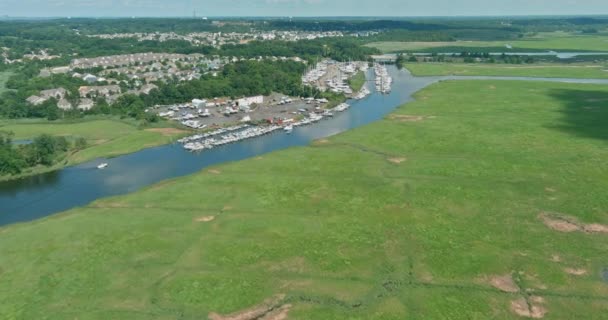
{"x": 342, "y": 107}
{"x": 248, "y": 133}
{"x": 229, "y": 135}
{"x": 383, "y": 79}
{"x": 364, "y": 92}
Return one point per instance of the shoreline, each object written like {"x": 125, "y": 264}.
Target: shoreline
{"x": 189, "y": 164}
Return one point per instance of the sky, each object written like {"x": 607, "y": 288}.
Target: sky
{"x": 405, "y": 8}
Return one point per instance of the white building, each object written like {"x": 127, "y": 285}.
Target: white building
{"x": 245, "y": 102}
{"x": 197, "y": 103}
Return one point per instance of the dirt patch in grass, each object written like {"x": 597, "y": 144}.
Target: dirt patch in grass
{"x": 214, "y": 171}
{"x": 504, "y": 283}
{"x": 563, "y": 223}
{"x": 549, "y": 189}
{"x": 492, "y": 87}
{"x": 556, "y": 258}
{"x": 575, "y": 271}
{"x": 279, "y": 314}
{"x": 595, "y": 228}
{"x": 537, "y": 299}
{"x": 406, "y": 118}
{"x": 396, "y": 160}
{"x": 166, "y": 131}
{"x": 205, "y": 219}
{"x": 321, "y": 142}
{"x": 558, "y": 223}
{"x": 270, "y": 309}
{"x": 110, "y": 205}
{"x": 523, "y": 309}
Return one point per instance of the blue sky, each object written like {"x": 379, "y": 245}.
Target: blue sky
{"x": 45, "y": 8}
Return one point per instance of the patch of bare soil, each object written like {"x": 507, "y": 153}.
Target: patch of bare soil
{"x": 575, "y": 272}
{"x": 267, "y": 310}
{"x": 110, "y": 205}
{"x": 406, "y": 118}
{"x": 595, "y": 228}
{"x": 279, "y": 314}
{"x": 492, "y": 87}
{"x": 556, "y": 258}
{"x": 166, "y": 131}
{"x": 558, "y": 223}
{"x": 564, "y": 223}
{"x": 537, "y": 299}
{"x": 549, "y": 189}
{"x": 214, "y": 171}
{"x": 523, "y": 309}
{"x": 504, "y": 283}
{"x": 321, "y": 142}
{"x": 205, "y": 219}
{"x": 396, "y": 160}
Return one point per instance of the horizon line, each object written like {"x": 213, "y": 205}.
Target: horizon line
{"x": 602, "y": 15}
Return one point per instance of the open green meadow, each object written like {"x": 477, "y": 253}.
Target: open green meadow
{"x": 453, "y": 207}
{"x": 105, "y": 138}
{"x": 585, "y": 71}
{"x": 542, "y": 42}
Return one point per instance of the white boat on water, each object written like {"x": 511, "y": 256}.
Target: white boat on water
{"x": 102, "y": 166}
{"x": 288, "y": 129}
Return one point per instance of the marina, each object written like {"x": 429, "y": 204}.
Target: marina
{"x": 234, "y": 134}
{"x": 383, "y": 79}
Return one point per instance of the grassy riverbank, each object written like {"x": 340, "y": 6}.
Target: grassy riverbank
{"x": 541, "y": 42}
{"x": 582, "y": 71}
{"x": 441, "y": 210}
{"x": 357, "y": 81}
{"x": 105, "y": 138}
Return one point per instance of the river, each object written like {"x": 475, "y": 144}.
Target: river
{"x": 45, "y": 194}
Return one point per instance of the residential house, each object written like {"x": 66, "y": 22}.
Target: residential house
{"x": 35, "y": 100}
{"x": 64, "y": 104}
{"x": 58, "y": 93}
{"x": 90, "y": 78}
{"x": 250, "y": 100}
{"x": 98, "y": 91}
{"x": 44, "y": 95}
{"x": 85, "y": 104}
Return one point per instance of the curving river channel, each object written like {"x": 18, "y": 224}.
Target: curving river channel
{"x": 45, "y": 194}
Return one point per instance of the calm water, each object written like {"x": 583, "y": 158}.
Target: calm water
{"x": 39, "y": 196}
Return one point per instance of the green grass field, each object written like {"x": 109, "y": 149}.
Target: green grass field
{"x": 357, "y": 81}
{"x": 3, "y": 79}
{"x": 411, "y": 217}
{"x": 106, "y": 138}
{"x": 535, "y": 70}
{"x": 557, "y": 42}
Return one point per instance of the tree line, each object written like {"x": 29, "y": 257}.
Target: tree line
{"x": 43, "y": 150}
